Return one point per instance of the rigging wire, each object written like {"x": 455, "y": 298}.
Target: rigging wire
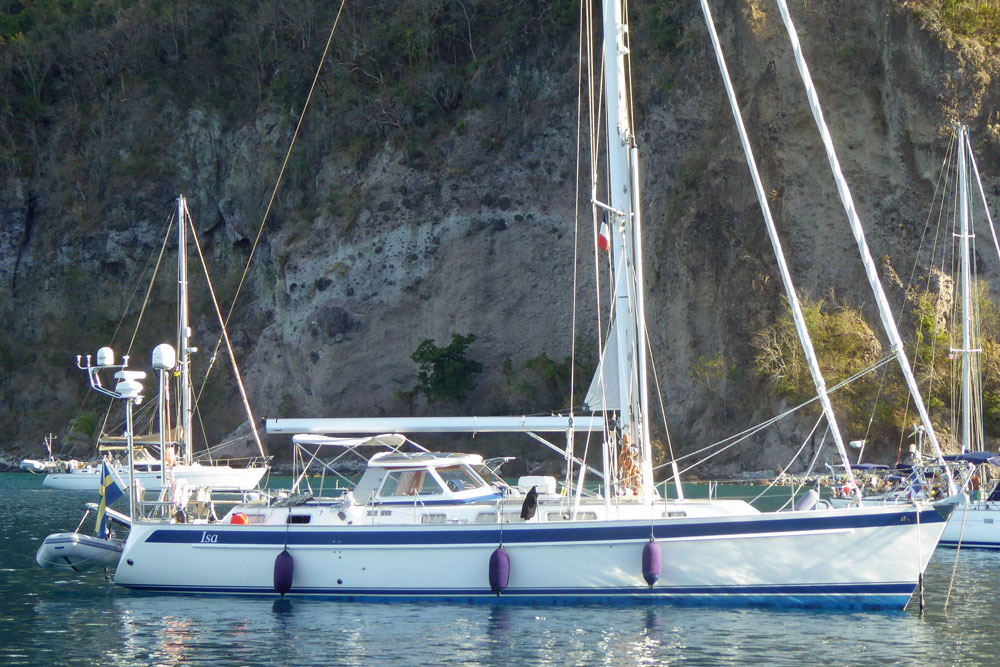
{"x": 659, "y": 398}
{"x": 142, "y": 311}
{"x": 576, "y": 238}
{"x": 941, "y": 188}
{"x": 229, "y": 348}
{"x": 781, "y": 474}
{"x": 274, "y": 191}
{"x": 737, "y": 438}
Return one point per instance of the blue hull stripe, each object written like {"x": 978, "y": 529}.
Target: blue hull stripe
{"x": 969, "y": 545}
{"x": 878, "y": 596}
{"x": 303, "y": 534}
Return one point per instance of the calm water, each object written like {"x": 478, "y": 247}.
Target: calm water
{"x": 48, "y": 617}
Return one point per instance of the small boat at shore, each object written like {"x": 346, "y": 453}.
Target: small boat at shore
{"x": 46, "y": 465}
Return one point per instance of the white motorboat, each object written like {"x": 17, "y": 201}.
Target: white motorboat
{"x": 38, "y": 467}
{"x": 439, "y": 526}
{"x": 48, "y": 464}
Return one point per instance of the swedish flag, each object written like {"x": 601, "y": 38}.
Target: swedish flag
{"x": 110, "y": 492}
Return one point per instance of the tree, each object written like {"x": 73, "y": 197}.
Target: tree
{"x": 446, "y": 374}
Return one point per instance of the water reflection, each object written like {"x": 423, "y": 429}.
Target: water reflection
{"x": 115, "y": 627}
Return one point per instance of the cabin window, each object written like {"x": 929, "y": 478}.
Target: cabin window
{"x": 459, "y": 478}
{"x": 486, "y": 517}
{"x": 299, "y": 518}
{"x": 410, "y": 483}
{"x": 565, "y": 516}
{"x": 434, "y": 518}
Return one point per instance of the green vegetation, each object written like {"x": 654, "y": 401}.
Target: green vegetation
{"x": 977, "y": 21}
{"x": 710, "y": 374}
{"x": 446, "y": 373}
{"x": 846, "y": 345}
{"x": 83, "y": 429}
{"x": 542, "y": 384}
{"x": 665, "y": 24}
{"x": 394, "y": 69}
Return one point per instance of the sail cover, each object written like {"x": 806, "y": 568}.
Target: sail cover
{"x": 603, "y": 393}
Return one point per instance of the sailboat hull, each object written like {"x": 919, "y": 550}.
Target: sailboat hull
{"x": 863, "y": 557}
{"x": 207, "y": 476}
{"x": 975, "y": 525}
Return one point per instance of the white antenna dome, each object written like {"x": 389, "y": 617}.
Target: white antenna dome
{"x": 164, "y": 357}
{"x": 105, "y": 357}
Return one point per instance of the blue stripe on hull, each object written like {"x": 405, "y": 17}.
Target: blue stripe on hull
{"x": 969, "y": 545}
{"x": 293, "y": 535}
{"x": 846, "y": 596}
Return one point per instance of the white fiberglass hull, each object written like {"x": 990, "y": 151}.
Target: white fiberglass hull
{"x": 863, "y": 557}
{"x": 207, "y": 476}
{"x": 973, "y": 525}
{"x": 77, "y": 552}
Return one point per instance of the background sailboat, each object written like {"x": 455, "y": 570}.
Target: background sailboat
{"x": 173, "y": 458}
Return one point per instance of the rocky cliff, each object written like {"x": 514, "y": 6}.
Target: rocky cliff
{"x": 432, "y": 191}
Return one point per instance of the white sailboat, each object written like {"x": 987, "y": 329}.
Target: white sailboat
{"x": 975, "y": 523}
{"x": 175, "y": 461}
{"x": 422, "y": 525}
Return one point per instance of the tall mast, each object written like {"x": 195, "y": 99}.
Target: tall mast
{"x": 184, "y": 328}
{"x": 964, "y": 236}
{"x": 623, "y": 210}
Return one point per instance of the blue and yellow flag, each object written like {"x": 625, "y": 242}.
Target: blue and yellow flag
{"x": 110, "y": 492}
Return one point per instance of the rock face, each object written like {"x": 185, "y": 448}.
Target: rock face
{"x": 476, "y": 235}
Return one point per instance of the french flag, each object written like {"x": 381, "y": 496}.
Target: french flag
{"x": 604, "y": 237}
